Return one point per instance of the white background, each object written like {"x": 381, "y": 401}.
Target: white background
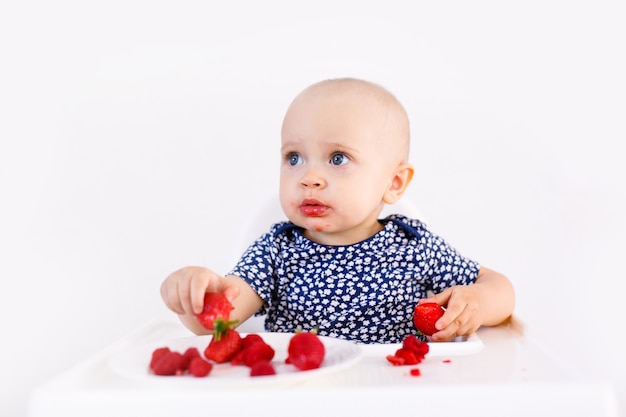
{"x": 135, "y": 136}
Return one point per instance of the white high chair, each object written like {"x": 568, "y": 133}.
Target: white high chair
{"x": 270, "y": 212}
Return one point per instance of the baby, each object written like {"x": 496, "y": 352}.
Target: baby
{"x": 335, "y": 266}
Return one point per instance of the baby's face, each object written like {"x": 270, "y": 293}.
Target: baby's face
{"x": 338, "y": 159}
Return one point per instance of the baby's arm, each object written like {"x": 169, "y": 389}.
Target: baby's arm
{"x": 487, "y": 302}
{"x": 183, "y": 293}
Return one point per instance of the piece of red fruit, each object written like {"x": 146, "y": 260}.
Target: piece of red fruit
{"x": 412, "y": 352}
{"x": 157, "y": 354}
{"x": 262, "y": 368}
{"x": 258, "y": 352}
{"x": 216, "y": 306}
{"x": 395, "y": 360}
{"x": 417, "y": 346}
{"x": 250, "y": 339}
{"x": 305, "y": 351}
{"x": 425, "y": 316}
{"x": 253, "y": 349}
{"x": 189, "y": 354}
{"x": 415, "y": 372}
{"x": 408, "y": 357}
{"x": 199, "y": 368}
{"x": 172, "y": 363}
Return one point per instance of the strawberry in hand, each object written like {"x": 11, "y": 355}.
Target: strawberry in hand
{"x": 425, "y": 316}
{"x": 216, "y": 306}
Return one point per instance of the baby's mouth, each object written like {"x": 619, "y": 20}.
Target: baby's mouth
{"x": 312, "y": 208}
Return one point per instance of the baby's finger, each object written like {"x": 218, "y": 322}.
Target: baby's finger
{"x": 229, "y": 289}
{"x": 169, "y": 294}
{"x": 185, "y": 295}
{"x": 452, "y": 315}
{"x": 463, "y": 325}
{"x": 198, "y": 287}
{"x": 470, "y": 321}
{"x": 467, "y": 329}
{"x": 441, "y": 298}
{"x": 449, "y": 325}
{"x": 444, "y": 335}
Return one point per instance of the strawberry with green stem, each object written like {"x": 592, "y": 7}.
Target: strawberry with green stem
{"x": 225, "y": 343}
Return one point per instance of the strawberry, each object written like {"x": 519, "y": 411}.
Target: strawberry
{"x": 253, "y": 349}
{"x": 425, "y": 316}
{"x": 199, "y": 368}
{"x": 224, "y": 344}
{"x": 238, "y": 358}
{"x": 189, "y": 354}
{"x": 158, "y": 354}
{"x": 412, "y": 343}
{"x": 171, "y": 363}
{"x": 395, "y": 360}
{"x": 250, "y": 339}
{"x": 412, "y": 352}
{"x": 305, "y": 351}
{"x": 408, "y": 356}
{"x": 260, "y": 351}
{"x": 216, "y": 306}
{"x": 262, "y": 368}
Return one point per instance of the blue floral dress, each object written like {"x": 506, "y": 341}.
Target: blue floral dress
{"x": 365, "y": 292}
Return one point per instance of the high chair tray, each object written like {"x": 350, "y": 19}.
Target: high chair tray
{"x": 500, "y": 371}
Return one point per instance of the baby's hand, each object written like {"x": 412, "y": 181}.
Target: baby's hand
{"x": 462, "y": 316}
{"x": 183, "y": 290}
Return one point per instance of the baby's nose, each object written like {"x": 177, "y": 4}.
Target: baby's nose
{"x": 312, "y": 179}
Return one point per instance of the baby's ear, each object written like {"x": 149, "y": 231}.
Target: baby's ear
{"x": 399, "y": 183}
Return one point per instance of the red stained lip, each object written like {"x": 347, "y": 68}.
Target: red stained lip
{"x": 313, "y": 208}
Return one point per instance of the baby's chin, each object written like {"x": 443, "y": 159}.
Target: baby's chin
{"x": 314, "y": 224}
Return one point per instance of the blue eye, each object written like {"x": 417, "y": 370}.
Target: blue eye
{"x": 294, "y": 159}
{"x": 339, "y": 159}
